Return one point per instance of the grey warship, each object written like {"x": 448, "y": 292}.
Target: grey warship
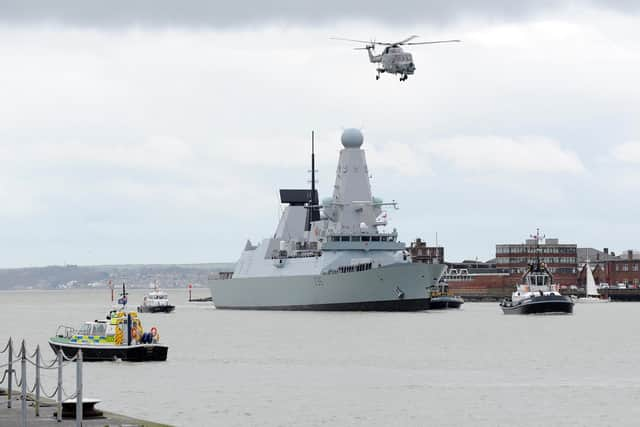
{"x": 329, "y": 256}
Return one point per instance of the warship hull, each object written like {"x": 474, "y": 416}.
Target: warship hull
{"x": 401, "y": 287}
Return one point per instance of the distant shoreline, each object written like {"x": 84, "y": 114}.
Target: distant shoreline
{"x": 99, "y": 276}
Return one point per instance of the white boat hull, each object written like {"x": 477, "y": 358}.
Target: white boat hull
{"x": 400, "y": 287}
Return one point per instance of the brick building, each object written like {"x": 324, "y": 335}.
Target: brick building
{"x": 420, "y": 252}
{"x": 625, "y": 269}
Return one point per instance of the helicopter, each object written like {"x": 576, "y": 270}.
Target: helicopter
{"x": 393, "y": 59}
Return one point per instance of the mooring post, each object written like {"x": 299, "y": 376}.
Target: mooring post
{"x": 59, "y": 413}
{"x": 37, "y": 380}
{"x": 10, "y": 372}
{"x": 79, "y": 389}
{"x": 23, "y": 382}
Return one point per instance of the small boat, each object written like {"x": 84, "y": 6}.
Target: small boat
{"x": 156, "y": 301}
{"x": 537, "y": 294}
{"x": 118, "y": 337}
{"x": 592, "y": 295}
{"x": 441, "y": 297}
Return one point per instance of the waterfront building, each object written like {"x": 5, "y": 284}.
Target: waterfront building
{"x": 624, "y": 270}
{"x": 420, "y": 252}
{"x": 477, "y": 280}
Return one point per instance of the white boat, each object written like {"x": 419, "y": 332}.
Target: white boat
{"x": 592, "y": 295}
{"x": 330, "y": 256}
{"x": 156, "y": 301}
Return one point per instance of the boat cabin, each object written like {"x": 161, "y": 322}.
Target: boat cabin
{"x": 538, "y": 279}
{"x": 116, "y": 329}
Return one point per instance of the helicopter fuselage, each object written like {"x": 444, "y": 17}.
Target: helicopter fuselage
{"x": 394, "y": 60}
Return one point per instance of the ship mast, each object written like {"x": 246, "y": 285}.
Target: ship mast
{"x": 313, "y": 213}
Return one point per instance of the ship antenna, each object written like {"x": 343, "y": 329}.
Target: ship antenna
{"x": 313, "y": 167}
{"x": 537, "y": 237}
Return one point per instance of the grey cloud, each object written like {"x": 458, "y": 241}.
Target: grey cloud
{"x": 223, "y": 14}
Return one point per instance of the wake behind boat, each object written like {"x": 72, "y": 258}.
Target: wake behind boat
{"x": 330, "y": 256}
{"x": 537, "y": 294}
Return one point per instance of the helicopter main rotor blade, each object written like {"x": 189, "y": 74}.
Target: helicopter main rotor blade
{"x": 369, "y": 42}
{"x": 434, "y": 42}
{"x": 350, "y": 40}
{"x": 406, "y": 40}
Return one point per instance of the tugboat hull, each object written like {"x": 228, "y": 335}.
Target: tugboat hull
{"x": 101, "y": 353}
{"x": 552, "y": 304}
{"x": 438, "y": 303}
{"x": 156, "y": 308}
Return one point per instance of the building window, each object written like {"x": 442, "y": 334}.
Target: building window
{"x": 625, "y": 267}
{"x": 635, "y": 267}
{"x": 617, "y": 267}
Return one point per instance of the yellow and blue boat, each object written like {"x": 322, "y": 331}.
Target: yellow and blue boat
{"x": 119, "y": 336}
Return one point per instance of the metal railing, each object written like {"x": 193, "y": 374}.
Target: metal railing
{"x": 38, "y": 390}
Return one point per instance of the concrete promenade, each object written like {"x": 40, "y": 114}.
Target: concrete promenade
{"x": 12, "y": 417}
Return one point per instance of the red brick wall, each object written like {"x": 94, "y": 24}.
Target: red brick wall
{"x": 618, "y": 275}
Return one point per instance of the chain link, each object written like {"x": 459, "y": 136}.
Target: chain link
{"x": 50, "y": 396}
{"x": 6, "y": 347}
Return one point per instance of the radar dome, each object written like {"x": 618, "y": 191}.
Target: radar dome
{"x": 352, "y": 138}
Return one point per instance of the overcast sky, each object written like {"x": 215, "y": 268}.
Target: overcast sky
{"x": 144, "y": 132}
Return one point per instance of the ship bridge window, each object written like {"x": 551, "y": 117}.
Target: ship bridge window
{"x": 99, "y": 329}
{"x": 383, "y": 238}
{"x": 355, "y": 238}
{"x": 85, "y": 329}
{"x": 365, "y": 238}
{"x": 335, "y": 238}
{"x": 344, "y": 238}
{"x": 375, "y": 238}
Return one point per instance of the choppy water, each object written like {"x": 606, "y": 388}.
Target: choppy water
{"x": 473, "y": 367}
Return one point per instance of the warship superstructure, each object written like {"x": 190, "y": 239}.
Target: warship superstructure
{"x": 330, "y": 256}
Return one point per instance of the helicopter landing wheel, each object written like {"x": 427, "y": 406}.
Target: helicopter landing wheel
{"x": 378, "y": 77}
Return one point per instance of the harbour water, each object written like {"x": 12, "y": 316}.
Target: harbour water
{"x": 473, "y": 366}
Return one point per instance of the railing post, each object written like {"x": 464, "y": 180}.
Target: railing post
{"x": 79, "y": 389}
{"x": 10, "y": 371}
{"x": 59, "y": 413}
{"x": 38, "y": 381}
{"x": 23, "y": 380}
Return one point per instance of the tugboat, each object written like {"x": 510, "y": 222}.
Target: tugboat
{"x": 441, "y": 297}
{"x": 156, "y": 301}
{"x": 537, "y": 294}
{"x": 119, "y": 336}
